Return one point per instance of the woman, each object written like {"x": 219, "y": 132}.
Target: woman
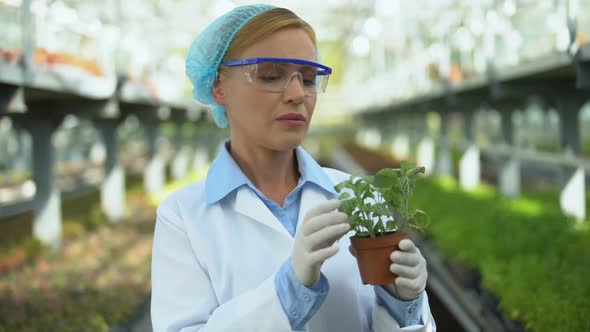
{"x": 253, "y": 247}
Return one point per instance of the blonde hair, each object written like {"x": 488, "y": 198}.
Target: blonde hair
{"x": 263, "y": 25}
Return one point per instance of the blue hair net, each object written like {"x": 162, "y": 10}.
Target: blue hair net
{"x": 207, "y": 51}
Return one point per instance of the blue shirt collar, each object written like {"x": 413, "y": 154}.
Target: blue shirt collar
{"x": 225, "y": 176}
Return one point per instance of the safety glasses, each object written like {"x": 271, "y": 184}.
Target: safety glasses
{"x": 275, "y": 74}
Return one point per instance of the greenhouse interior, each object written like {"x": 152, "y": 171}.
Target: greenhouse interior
{"x": 462, "y": 126}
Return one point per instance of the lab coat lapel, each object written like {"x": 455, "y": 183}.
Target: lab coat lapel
{"x": 250, "y": 205}
{"x": 310, "y": 198}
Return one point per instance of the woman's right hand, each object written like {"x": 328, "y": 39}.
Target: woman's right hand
{"x": 315, "y": 240}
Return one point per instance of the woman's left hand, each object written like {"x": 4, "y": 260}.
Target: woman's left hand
{"x": 410, "y": 267}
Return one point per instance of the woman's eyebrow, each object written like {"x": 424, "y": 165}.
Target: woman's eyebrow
{"x": 298, "y": 67}
{"x": 308, "y": 68}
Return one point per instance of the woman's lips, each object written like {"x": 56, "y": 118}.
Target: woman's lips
{"x": 292, "y": 119}
{"x": 291, "y": 122}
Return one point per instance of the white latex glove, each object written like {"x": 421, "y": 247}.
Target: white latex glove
{"x": 410, "y": 267}
{"x": 315, "y": 240}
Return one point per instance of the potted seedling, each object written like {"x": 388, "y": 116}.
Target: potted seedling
{"x": 379, "y": 212}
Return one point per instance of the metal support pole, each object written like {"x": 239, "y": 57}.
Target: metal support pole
{"x": 444, "y": 161}
{"x": 509, "y": 177}
{"x": 381, "y": 128}
{"x": 154, "y": 174}
{"x": 469, "y": 165}
{"x": 28, "y": 28}
{"x": 113, "y": 187}
{"x": 7, "y": 93}
{"x": 47, "y": 218}
{"x": 201, "y": 155}
{"x": 425, "y": 148}
{"x": 569, "y": 123}
{"x": 415, "y": 132}
{"x": 400, "y": 145}
{"x": 573, "y": 190}
{"x": 182, "y": 155}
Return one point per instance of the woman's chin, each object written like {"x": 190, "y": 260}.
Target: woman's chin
{"x": 288, "y": 142}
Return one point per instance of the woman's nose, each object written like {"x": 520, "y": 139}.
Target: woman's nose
{"x": 299, "y": 86}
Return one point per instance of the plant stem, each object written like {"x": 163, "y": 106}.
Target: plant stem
{"x": 360, "y": 205}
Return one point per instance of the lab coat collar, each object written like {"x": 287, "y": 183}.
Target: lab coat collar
{"x": 225, "y": 176}
{"x": 312, "y": 172}
{"x": 250, "y": 205}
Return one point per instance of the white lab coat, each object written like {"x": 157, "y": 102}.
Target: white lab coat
{"x": 214, "y": 267}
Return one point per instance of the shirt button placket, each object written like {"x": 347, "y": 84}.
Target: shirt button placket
{"x": 412, "y": 308}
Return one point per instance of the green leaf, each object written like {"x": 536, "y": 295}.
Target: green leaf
{"x": 386, "y": 177}
{"x": 395, "y": 213}
{"x": 388, "y": 172}
{"x": 381, "y": 209}
{"x": 343, "y": 184}
{"x": 389, "y": 196}
{"x": 394, "y": 200}
{"x": 416, "y": 171}
{"x": 379, "y": 228}
{"x": 368, "y": 193}
{"x": 347, "y": 206}
{"x": 421, "y": 220}
{"x": 362, "y": 188}
{"x": 368, "y": 225}
{"x": 357, "y": 221}
{"x": 344, "y": 196}
{"x": 406, "y": 165}
{"x": 390, "y": 225}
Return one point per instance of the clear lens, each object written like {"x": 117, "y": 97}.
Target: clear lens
{"x": 276, "y": 77}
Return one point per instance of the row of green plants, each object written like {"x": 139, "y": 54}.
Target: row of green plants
{"x": 527, "y": 252}
{"x": 81, "y": 214}
{"x": 77, "y": 307}
{"x": 98, "y": 280}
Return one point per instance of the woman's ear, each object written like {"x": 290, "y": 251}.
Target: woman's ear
{"x": 217, "y": 92}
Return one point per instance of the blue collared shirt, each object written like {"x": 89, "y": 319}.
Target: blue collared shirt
{"x": 299, "y": 302}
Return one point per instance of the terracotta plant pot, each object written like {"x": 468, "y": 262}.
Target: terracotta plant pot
{"x": 372, "y": 255}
